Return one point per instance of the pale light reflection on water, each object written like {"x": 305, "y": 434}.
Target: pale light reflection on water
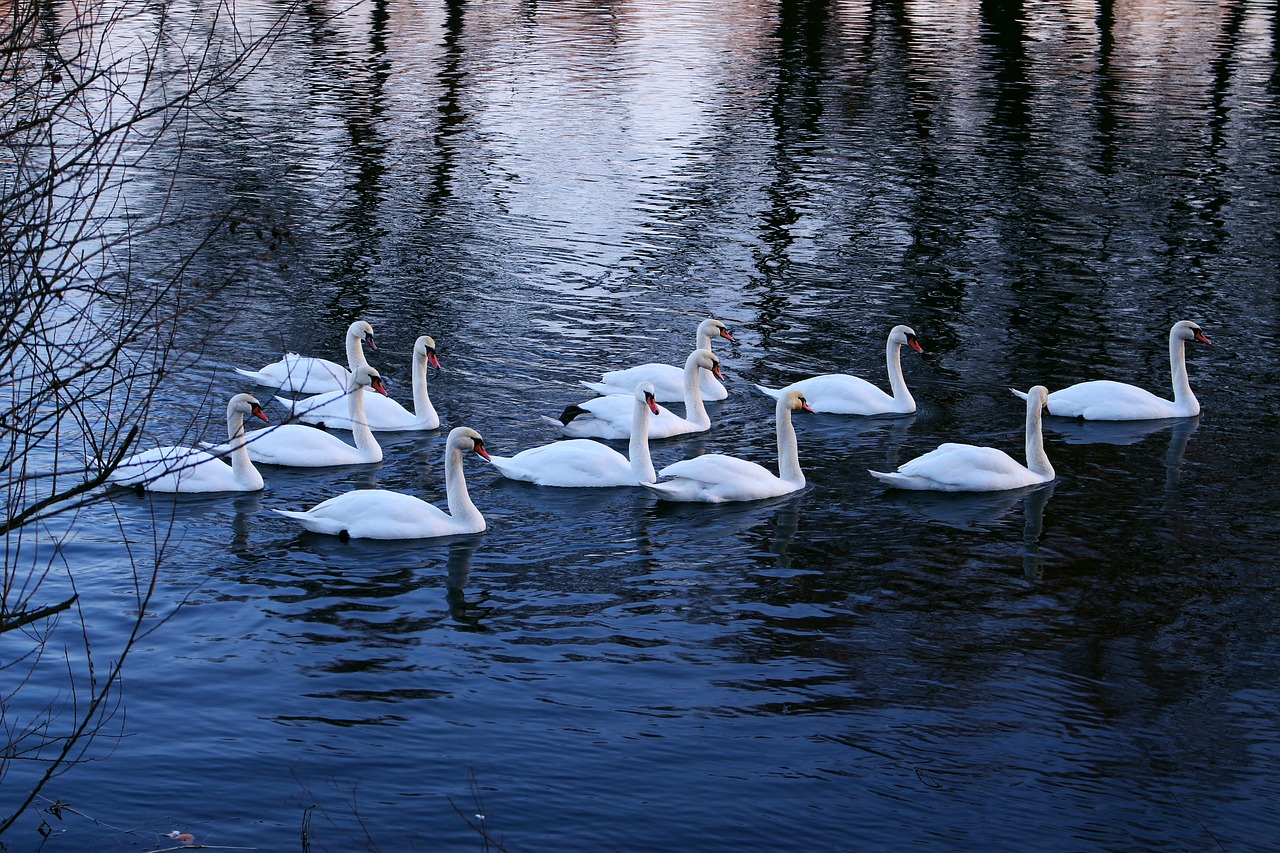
{"x": 554, "y": 192}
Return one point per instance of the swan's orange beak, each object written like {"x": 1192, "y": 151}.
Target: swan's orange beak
{"x": 804, "y": 407}
{"x": 432, "y": 360}
{"x": 377, "y": 385}
{"x": 368, "y": 339}
{"x": 727, "y": 335}
{"x": 479, "y": 448}
{"x": 653, "y": 406}
{"x": 258, "y": 413}
{"x": 914, "y": 344}
{"x": 715, "y": 370}
{"x": 1203, "y": 338}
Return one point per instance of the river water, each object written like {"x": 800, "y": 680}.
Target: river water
{"x": 555, "y": 190}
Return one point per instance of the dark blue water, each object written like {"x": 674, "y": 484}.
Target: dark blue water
{"x": 556, "y": 191}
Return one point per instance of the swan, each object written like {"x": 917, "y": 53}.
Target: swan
{"x": 383, "y": 414}
{"x": 667, "y": 379}
{"x": 842, "y": 394}
{"x": 383, "y": 514}
{"x": 581, "y": 462}
{"x": 298, "y": 446}
{"x": 967, "y": 468}
{"x": 190, "y": 469}
{"x": 716, "y": 478}
{"x": 610, "y": 416}
{"x": 305, "y": 375}
{"x": 1105, "y": 400}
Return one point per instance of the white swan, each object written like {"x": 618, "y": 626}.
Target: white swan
{"x": 967, "y": 468}
{"x": 383, "y": 514}
{"x": 667, "y": 379}
{"x": 842, "y": 394}
{"x": 298, "y": 446}
{"x": 716, "y": 478}
{"x": 610, "y": 417}
{"x": 300, "y": 374}
{"x": 383, "y": 414}
{"x": 583, "y": 462}
{"x": 189, "y": 469}
{"x": 1105, "y": 400}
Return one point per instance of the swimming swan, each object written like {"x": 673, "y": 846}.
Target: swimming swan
{"x": 667, "y": 379}
{"x": 299, "y": 374}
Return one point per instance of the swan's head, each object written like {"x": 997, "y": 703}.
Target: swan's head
{"x": 705, "y": 359}
{"x": 425, "y": 347}
{"x": 794, "y": 401}
{"x": 246, "y": 404}
{"x": 905, "y": 336}
{"x": 645, "y": 394}
{"x": 465, "y": 438}
{"x": 1185, "y": 330}
{"x": 1037, "y": 397}
{"x": 362, "y": 331}
{"x": 365, "y": 376}
{"x": 713, "y": 328}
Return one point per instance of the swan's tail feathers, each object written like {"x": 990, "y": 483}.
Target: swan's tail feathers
{"x": 289, "y": 404}
{"x": 772, "y": 392}
{"x": 662, "y": 490}
{"x": 1020, "y": 394}
{"x": 294, "y": 514}
{"x": 215, "y": 448}
{"x": 555, "y": 422}
{"x": 599, "y": 388}
{"x": 255, "y": 376}
{"x": 893, "y": 478}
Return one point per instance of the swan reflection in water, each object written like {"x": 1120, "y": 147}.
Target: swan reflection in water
{"x": 467, "y": 614}
{"x": 1077, "y": 431}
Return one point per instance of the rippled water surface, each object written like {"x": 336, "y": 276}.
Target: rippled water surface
{"x": 555, "y": 190}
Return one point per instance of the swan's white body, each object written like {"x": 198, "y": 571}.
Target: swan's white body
{"x": 968, "y": 468}
{"x": 716, "y": 478}
{"x": 667, "y": 379}
{"x": 189, "y": 469}
{"x": 583, "y": 462}
{"x": 1105, "y": 400}
{"x": 298, "y": 446}
{"x": 382, "y": 413}
{"x": 383, "y": 514}
{"x": 842, "y": 394}
{"x": 300, "y": 374}
{"x": 610, "y": 417}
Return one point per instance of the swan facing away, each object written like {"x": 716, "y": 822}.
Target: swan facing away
{"x": 298, "y": 374}
{"x": 383, "y": 414}
{"x": 383, "y": 514}
{"x": 842, "y": 394}
{"x": 583, "y": 462}
{"x": 610, "y": 416}
{"x": 190, "y": 469}
{"x": 667, "y": 379}
{"x": 298, "y": 446}
{"x": 1105, "y": 400}
{"x": 716, "y": 478}
{"x": 968, "y": 468}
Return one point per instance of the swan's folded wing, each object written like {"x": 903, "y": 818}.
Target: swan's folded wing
{"x": 717, "y": 468}
{"x": 960, "y": 464}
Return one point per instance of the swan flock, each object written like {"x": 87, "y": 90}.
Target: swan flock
{"x": 334, "y": 396}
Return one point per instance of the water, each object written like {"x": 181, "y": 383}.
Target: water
{"x": 552, "y": 192}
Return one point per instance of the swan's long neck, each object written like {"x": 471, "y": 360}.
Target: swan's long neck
{"x": 1037, "y": 459}
{"x": 421, "y": 400}
{"x": 695, "y": 411}
{"x": 1182, "y": 395}
{"x": 241, "y": 465}
{"x": 355, "y": 353}
{"x": 788, "y": 451}
{"x": 638, "y": 446}
{"x": 360, "y": 423}
{"x": 461, "y": 509}
{"x": 897, "y": 382}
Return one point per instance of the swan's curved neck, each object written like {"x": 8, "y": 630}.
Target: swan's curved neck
{"x": 355, "y": 353}
{"x": 638, "y": 446}
{"x": 1182, "y": 394}
{"x": 241, "y": 465}
{"x": 788, "y": 451}
{"x": 461, "y": 509}
{"x": 695, "y": 411}
{"x": 360, "y": 422}
{"x": 421, "y": 400}
{"x": 897, "y": 382}
{"x": 1037, "y": 459}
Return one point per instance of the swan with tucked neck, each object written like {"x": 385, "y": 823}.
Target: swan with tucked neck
{"x": 297, "y": 374}
{"x": 842, "y": 394}
{"x": 582, "y": 462}
{"x": 716, "y": 478}
{"x": 667, "y": 379}
{"x": 1105, "y": 400}
{"x": 192, "y": 470}
{"x": 968, "y": 468}
{"x": 383, "y": 414}
{"x": 298, "y": 446}
{"x": 383, "y": 514}
{"x": 610, "y": 417}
